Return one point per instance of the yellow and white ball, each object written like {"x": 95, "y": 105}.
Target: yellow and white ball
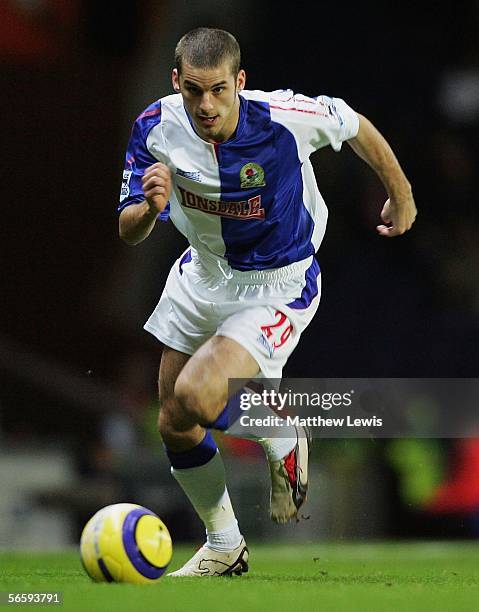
{"x": 125, "y": 543}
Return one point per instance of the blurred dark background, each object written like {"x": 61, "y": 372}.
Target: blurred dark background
{"x": 78, "y": 373}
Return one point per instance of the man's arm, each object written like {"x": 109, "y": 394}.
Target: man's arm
{"x": 399, "y": 211}
{"x": 138, "y": 220}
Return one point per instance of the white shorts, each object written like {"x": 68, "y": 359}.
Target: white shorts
{"x": 265, "y": 311}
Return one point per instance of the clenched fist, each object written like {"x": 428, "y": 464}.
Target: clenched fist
{"x": 398, "y": 215}
{"x": 156, "y": 184}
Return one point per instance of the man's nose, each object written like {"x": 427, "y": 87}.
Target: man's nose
{"x": 206, "y": 105}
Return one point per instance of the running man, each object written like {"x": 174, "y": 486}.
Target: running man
{"x": 231, "y": 169}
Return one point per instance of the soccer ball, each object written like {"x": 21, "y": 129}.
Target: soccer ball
{"x": 125, "y": 543}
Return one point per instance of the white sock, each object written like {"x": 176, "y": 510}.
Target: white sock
{"x": 225, "y": 540}
{"x": 278, "y": 448}
{"x": 277, "y": 442}
{"x": 205, "y": 487}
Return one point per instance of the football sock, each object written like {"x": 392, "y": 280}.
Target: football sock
{"x": 205, "y": 486}
{"x": 225, "y": 540}
{"x": 276, "y": 441}
{"x": 196, "y": 456}
{"x": 278, "y": 448}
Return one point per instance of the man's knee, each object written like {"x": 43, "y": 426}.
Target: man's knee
{"x": 175, "y": 430}
{"x": 197, "y": 401}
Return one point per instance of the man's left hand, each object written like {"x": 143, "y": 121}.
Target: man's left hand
{"x": 398, "y": 216}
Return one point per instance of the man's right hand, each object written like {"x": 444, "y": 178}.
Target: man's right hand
{"x": 156, "y": 184}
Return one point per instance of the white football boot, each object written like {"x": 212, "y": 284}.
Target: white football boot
{"x": 209, "y": 562}
{"x": 289, "y": 479}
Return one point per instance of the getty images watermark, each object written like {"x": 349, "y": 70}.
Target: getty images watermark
{"x": 356, "y": 407}
{"x": 281, "y": 402}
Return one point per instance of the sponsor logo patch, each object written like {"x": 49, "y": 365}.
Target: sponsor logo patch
{"x": 246, "y": 209}
{"x": 263, "y": 341}
{"x": 192, "y": 176}
{"x": 125, "y": 186}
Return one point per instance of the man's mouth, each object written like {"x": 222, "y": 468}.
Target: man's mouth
{"x": 208, "y": 121}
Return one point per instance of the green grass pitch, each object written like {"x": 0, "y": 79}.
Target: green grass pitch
{"x": 397, "y": 576}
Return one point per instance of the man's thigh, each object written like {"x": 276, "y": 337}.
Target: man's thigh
{"x": 219, "y": 368}
{"x": 254, "y": 342}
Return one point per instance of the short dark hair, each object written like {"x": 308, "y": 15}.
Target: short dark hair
{"x": 208, "y": 48}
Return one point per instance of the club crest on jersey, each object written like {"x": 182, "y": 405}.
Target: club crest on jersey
{"x": 252, "y": 175}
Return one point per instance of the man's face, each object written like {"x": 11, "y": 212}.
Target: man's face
{"x": 210, "y": 97}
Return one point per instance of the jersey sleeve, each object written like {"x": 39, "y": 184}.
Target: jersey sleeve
{"x": 315, "y": 122}
{"x": 138, "y": 158}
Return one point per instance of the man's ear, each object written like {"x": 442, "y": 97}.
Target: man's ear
{"x": 175, "y": 79}
{"x": 241, "y": 80}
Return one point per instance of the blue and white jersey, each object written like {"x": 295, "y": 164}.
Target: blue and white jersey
{"x": 251, "y": 201}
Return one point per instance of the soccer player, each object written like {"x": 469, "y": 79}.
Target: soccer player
{"x": 231, "y": 169}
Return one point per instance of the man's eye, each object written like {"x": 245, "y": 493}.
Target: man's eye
{"x": 218, "y": 90}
